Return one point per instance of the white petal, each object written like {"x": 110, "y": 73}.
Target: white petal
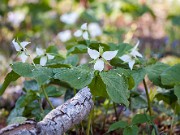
{"x": 78, "y": 33}
{"x": 108, "y": 55}
{"x": 84, "y": 26}
{"x": 50, "y": 57}
{"x": 39, "y": 51}
{"x": 136, "y": 53}
{"x": 93, "y": 53}
{"x": 23, "y": 56}
{"x": 85, "y": 35}
{"x": 16, "y": 17}
{"x": 43, "y": 60}
{"x": 125, "y": 58}
{"x": 136, "y": 46}
{"x": 69, "y": 18}
{"x": 16, "y": 45}
{"x": 131, "y": 64}
{"x": 24, "y": 44}
{"x": 65, "y": 18}
{"x": 94, "y": 29}
{"x": 99, "y": 65}
{"x": 64, "y": 35}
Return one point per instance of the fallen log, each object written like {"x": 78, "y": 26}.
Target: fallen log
{"x": 57, "y": 121}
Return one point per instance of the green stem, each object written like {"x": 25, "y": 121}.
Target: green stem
{"x": 148, "y": 99}
{"x": 74, "y": 91}
{"x": 172, "y": 121}
{"x": 104, "y": 121}
{"x": 156, "y": 129}
{"x": 42, "y": 111}
{"x": 171, "y": 129}
{"x": 82, "y": 128}
{"x": 115, "y": 111}
{"x": 46, "y": 96}
{"x": 89, "y": 123}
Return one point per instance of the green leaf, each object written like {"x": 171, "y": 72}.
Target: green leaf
{"x": 117, "y": 62}
{"x": 116, "y": 125}
{"x": 58, "y": 59}
{"x": 30, "y": 85}
{"x": 17, "y": 110}
{"x": 39, "y": 7}
{"x": 130, "y": 82}
{"x": 176, "y": 108}
{"x": 78, "y": 49}
{"x": 59, "y": 62}
{"x": 123, "y": 48}
{"x": 95, "y": 45}
{"x": 11, "y": 76}
{"x": 135, "y": 9}
{"x": 88, "y": 17}
{"x": 154, "y": 72}
{"x": 127, "y": 74}
{"x": 138, "y": 76}
{"x": 28, "y": 98}
{"x": 53, "y": 91}
{"x": 23, "y": 69}
{"x": 167, "y": 96}
{"x": 153, "y": 132}
{"x": 17, "y": 120}
{"x": 177, "y": 92}
{"x": 41, "y": 74}
{"x": 175, "y": 19}
{"x": 171, "y": 76}
{"x": 116, "y": 86}
{"x": 77, "y": 77}
{"x": 58, "y": 65}
{"x": 138, "y": 102}
{"x": 141, "y": 118}
{"x": 97, "y": 86}
{"x": 72, "y": 60}
{"x": 69, "y": 94}
{"x": 131, "y": 130}
{"x": 52, "y": 49}
{"x": 33, "y": 110}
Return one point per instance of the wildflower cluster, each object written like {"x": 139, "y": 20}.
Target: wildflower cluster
{"x": 23, "y": 54}
{"x": 99, "y": 57}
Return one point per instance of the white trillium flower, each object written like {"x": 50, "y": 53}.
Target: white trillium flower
{"x": 16, "y": 17}
{"x": 64, "y": 35}
{"x": 101, "y": 57}
{"x": 94, "y": 30}
{"x": 21, "y": 49}
{"x": 130, "y": 58}
{"x": 44, "y": 56}
{"x": 69, "y": 18}
{"x": 82, "y": 32}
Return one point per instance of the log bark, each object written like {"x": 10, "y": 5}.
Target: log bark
{"x": 59, "y": 120}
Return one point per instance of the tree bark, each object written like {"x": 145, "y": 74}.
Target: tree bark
{"x": 57, "y": 121}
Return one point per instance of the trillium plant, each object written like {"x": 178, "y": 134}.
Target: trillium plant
{"x": 131, "y": 57}
{"x": 64, "y": 35}
{"x": 83, "y": 32}
{"x": 44, "y": 57}
{"x": 53, "y": 75}
{"x": 21, "y": 49}
{"x": 69, "y": 18}
{"x": 101, "y": 57}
